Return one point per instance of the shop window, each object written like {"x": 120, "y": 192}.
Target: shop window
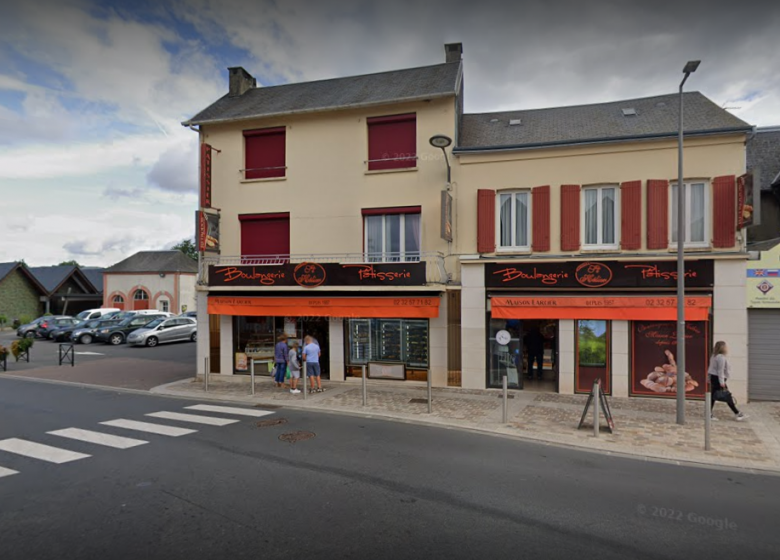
{"x": 388, "y": 340}
{"x": 392, "y": 237}
{"x": 593, "y": 355}
{"x": 392, "y": 142}
{"x": 600, "y": 217}
{"x": 264, "y": 153}
{"x": 696, "y": 212}
{"x": 514, "y": 223}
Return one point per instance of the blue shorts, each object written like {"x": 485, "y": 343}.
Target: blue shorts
{"x": 312, "y": 369}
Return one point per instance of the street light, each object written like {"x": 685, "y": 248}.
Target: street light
{"x": 689, "y": 69}
{"x": 442, "y": 141}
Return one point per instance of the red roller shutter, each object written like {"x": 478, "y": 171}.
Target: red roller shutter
{"x": 541, "y": 219}
{"x": 724, "y": 211}
{"x": 265, "y": 153}
{"x": 657, "y": 214}
{"x": 631, "y": 215}
{"x": 392, "y": 142}
{"x": 265, "y": 234}
{"x": 570, "y": 218}
{"x": 486, "y": 221}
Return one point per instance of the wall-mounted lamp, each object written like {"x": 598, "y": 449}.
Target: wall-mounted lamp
{"x": 442, "y": 141}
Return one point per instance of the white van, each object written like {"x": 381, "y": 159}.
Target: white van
{"x": 96, "y": 313}
{"x": 153, "y": 312}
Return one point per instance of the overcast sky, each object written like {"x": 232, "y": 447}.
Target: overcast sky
{"x": 95, "y": 166}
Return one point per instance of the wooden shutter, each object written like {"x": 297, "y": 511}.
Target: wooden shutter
{"x": 265, "y": 153}
{"x": 541, "y": 219}
{"x": 570, "y": 217}
{"x": 631, "y": 215}
{"x": 486, "y": 221}
{"x": 657, "y": 214}
{"x": 724, "y": 211}
{"x": 392, "y": 142}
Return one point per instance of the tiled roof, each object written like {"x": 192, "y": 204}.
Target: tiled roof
{"x": 411, "y": 84}
{"x": 155, "y": 261}
{"x": 763, "y": 152}
{"x": 601, "y": 122}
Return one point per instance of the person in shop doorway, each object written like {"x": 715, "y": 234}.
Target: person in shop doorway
{"x": 295, "y": 367}
{"x": 534, "y": 344}
{"x": 311, "y": 355}
{"x": 281, "y": 351}
{"x": 719, "y": 373}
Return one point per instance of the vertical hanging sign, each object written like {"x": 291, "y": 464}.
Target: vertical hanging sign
{"x": 205, "y": 176}
{"x": 446, "y": 216}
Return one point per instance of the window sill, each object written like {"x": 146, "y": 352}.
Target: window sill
{"x": 513, "y": 251}
{"x": 263, "y": 180}
{"x": 600, "y": 249}
{"x": 383, "y": 171}
{"x": 691, "y": 248}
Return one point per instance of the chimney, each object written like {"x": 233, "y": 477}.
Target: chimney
{"x": 453, "y": 52}
{"x": 240, "y": 81}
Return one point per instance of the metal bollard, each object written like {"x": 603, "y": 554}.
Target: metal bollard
{"x": 505, "y": 415}
{"x": 596, "y": 406}
{"x": 252, "y": 374}
{"x": 305, "y": 382}
{"x": 365, "y": 390}
{"x": 707, "y": 417}
{"x": 206, "y": 375}
{"x": 430, "y": 393}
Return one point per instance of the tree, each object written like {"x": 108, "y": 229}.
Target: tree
{"x": 188, "y": 247}
{"x": 69, "y": 263}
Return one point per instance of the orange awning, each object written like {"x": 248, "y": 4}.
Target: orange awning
{"x": 614, "y": 308}
{"x": 355, "y": 307}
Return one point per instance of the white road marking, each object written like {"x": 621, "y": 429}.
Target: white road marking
{"x": 148, "y": 427}
{"x": 89, "y": 354}
{"x": 229, "y": 410}
{"x": 7, "y": 472}
{"x": 193, "y": 418}
{"x": 117, "y": 442}
{"x": 40, "y": 451}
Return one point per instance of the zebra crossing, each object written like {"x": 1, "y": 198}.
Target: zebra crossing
{"x": 59, "y": 455}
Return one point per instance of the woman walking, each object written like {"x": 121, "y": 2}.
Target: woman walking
{"x": 280, "y": 358}
{"x": 719, "y": 372}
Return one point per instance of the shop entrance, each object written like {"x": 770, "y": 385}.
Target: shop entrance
{"x": 514, "y": 345}
{"x": 318, "y": 327}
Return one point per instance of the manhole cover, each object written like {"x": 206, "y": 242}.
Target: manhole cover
{"x": 272, "y": 422}
{"x": 293, "y": 437}
{"x": 419, "y": 401}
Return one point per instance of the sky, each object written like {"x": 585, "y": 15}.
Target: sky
{"x": 95, "y": 165}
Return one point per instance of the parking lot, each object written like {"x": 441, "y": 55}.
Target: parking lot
{"x": 133, "y": 367}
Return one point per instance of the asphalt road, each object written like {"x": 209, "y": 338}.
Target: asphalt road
{"x": 360, "y": 488}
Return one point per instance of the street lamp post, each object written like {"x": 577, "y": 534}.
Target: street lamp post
{"x": 689, "y": 69}
{"x": 442, "y": 141}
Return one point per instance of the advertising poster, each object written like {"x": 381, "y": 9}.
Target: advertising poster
{"x": 763, "y": 280}
{"x": 242, "y": 362}
{"x": 653, "y": 358}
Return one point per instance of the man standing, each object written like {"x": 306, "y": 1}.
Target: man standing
{"x": 534, "y": 343}
{"x": 311, "y": 355}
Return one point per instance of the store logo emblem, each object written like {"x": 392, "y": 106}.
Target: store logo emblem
{"x": 764, "y": 287}
{"x": 593, "y": 275}
{"x": 309, "y": 275}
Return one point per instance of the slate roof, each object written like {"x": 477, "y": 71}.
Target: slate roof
{"x": 95, "y": 277}
{"x": 155, "y": 261}
{"x": 411, "y": 84}
{"x": 7, "y": 268}
{"x": 655, "y": 117}
{"x": 51, "y": 277}
{"x": 763, "y": 152}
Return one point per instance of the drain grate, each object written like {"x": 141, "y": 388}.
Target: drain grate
{"x": 293, "y": 437}
{"x": 272, "y": 422}
{"x": 418, "y": 401}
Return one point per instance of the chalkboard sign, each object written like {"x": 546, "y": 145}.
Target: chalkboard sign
{"x": 604, "y": 407}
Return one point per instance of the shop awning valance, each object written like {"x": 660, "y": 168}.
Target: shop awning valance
{"x": 352, "y": 307}
{"x": 635, "y": 308}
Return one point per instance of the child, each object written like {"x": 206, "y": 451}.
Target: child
{"x": 295, "y": 367}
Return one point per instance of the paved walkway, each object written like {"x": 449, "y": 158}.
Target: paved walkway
{"x": 644, "y": 427}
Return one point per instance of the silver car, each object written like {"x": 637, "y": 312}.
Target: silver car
{"x": 163, "y": 330}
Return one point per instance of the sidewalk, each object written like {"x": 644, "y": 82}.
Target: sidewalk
{"x": 643, "y": 427}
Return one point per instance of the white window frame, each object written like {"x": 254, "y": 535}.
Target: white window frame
{"x": 600, "y": 245}
{"x": 387, "y": 256}
{"x": 705, "y": 244}
{"x": 164, "y": 305}
{"x": 514, "y": 248}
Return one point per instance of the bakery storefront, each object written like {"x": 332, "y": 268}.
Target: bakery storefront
{"x": 354, "y": 311}
{"x": 558, "y": 326}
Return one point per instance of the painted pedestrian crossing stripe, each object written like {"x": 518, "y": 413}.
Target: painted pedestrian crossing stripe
{"x": 159, "y": 429}
{"x": 7, "y": 472}
{"x": 99, "y": 438}
{"x": 40, "y": 451}
{"x": 196, "y": 419}
{"x": 230, "y": 410}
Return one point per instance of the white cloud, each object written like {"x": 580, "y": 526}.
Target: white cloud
{"x": 176, "y": 170}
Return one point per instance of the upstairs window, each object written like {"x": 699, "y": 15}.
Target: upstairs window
{"x": 392, "y": 142}
{"x": 264, "y": 153}
{"x": 514, "y": 220}
{"x": 392, "y": 234}
{"x": 600, "y": 216}
{"x": 696, "y": 222}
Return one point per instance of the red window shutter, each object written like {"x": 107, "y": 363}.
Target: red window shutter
{"x": 265, "y": 153}
{"x": 486, "y": 221}
{"x": 265, "y": 235}
{"x": 724, "y": 211}
{"x": 392, "y": 142}
{"x": 540, "y": 197}
{"x": 657, "y": 214}
{"x": 631, "y": 215}
{"x": 570, "y": 217}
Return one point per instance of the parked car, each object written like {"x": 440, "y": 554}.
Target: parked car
{"x": 63, "y": 334}
{"x": 28, "y": 330}
{"x": 164, "y": 330}
{"x": 54, "y": 322}
{"x": 97, "y": 313}
{"x": 86, "y": 335}
{"x": 190, "y": 314}
{"x": 116, "y": 334}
